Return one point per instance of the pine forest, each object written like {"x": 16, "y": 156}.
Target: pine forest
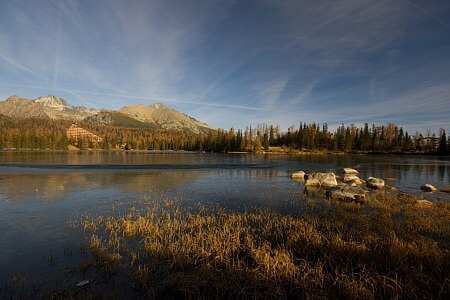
{"x": 46, "y": 134}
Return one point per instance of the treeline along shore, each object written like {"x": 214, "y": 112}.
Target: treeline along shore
{"x": 47, "y": 134}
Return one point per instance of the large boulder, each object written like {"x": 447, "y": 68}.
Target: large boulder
{"x": 320, "y": 179}
{"x": 375, "y": 183}
{"x": 346, "y": 193}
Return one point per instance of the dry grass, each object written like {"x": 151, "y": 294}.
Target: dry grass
{"x": 384, "y": 249}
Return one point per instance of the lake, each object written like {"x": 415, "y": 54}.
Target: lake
{"x": 41, "y": 192}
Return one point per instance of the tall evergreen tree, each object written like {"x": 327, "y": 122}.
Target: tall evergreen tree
{"x": 443, "y": 150}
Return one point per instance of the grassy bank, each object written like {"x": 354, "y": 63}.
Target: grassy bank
{"x": 387, "y": 248}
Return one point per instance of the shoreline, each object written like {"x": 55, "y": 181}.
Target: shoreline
{"x": 284, "y": 152}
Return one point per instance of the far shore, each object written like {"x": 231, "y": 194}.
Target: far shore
{"x": 281, "y": 151}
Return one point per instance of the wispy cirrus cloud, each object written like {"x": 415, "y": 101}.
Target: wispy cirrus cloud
{"x": 17, "y": 65}
{"x": 277, "y": 62}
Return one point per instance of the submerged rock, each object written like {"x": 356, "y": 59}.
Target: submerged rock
{"x": 375, "y": 183}
{"x": 424, "y": 204}
{"x": 390, "y": 188}
{"x": 346, "y": 193}
{"x": 428, "y": 188}
{"x": 321, "y": 179}
{"x": 445, "y": 189}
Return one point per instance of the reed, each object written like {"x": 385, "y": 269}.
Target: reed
{"x": 387, "y": 248}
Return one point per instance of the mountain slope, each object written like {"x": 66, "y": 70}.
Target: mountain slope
{"x": 20, "y": 107}
{"x": 115, "y": 118}
{"x": 139, "y": 116}
{"x": 165, "y": 117}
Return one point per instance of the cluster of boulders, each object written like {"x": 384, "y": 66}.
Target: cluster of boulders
{"x": 350, "y": 189}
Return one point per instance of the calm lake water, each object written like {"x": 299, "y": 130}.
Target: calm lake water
{"x": 40, "y": 192}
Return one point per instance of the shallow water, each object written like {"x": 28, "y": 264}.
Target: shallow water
{"x": 40, "y": 192}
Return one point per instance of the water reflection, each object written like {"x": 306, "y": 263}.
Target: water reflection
{"x": 441, "y": 172}
{"x": 99, "y": 157}
{"x": 52, "y": 175}
{"x": 55, "y": 187}
{"x": 257, "y": 173}
{"x": 152, "y": 182}
{"x": 315, "y": 192}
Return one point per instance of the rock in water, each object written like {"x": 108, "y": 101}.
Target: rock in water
{"x": 351, "y": 178}
{"x": 375, "y": 183}
{"x": 321, "y": 179}
{"x": 350, "y": 171}
{"x": 83, "y": 283}
{"x": 428, "y": 188}
{"x": 300, "y": 175}
{"x": 346, "y": 193}
{"x": 445, "y": 189}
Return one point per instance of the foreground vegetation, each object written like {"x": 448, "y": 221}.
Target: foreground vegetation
{"x": 387, "y": 248}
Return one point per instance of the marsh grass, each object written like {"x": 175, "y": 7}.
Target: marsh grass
{"x": 387, "y": 248}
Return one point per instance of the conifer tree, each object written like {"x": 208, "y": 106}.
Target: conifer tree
{"x": 443, "y": 150}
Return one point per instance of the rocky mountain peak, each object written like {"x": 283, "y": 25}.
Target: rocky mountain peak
{"x": 157, "y": 105}
{"x": 13, "y": 98}
{"x": 53, "y": 102}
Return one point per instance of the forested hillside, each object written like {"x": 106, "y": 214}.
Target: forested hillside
{"x": 37, "y": 133}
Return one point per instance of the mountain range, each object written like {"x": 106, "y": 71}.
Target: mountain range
{"x": 156, "y": 116}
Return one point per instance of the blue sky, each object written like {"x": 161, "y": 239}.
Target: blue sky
{"x": 237, "y": 63}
